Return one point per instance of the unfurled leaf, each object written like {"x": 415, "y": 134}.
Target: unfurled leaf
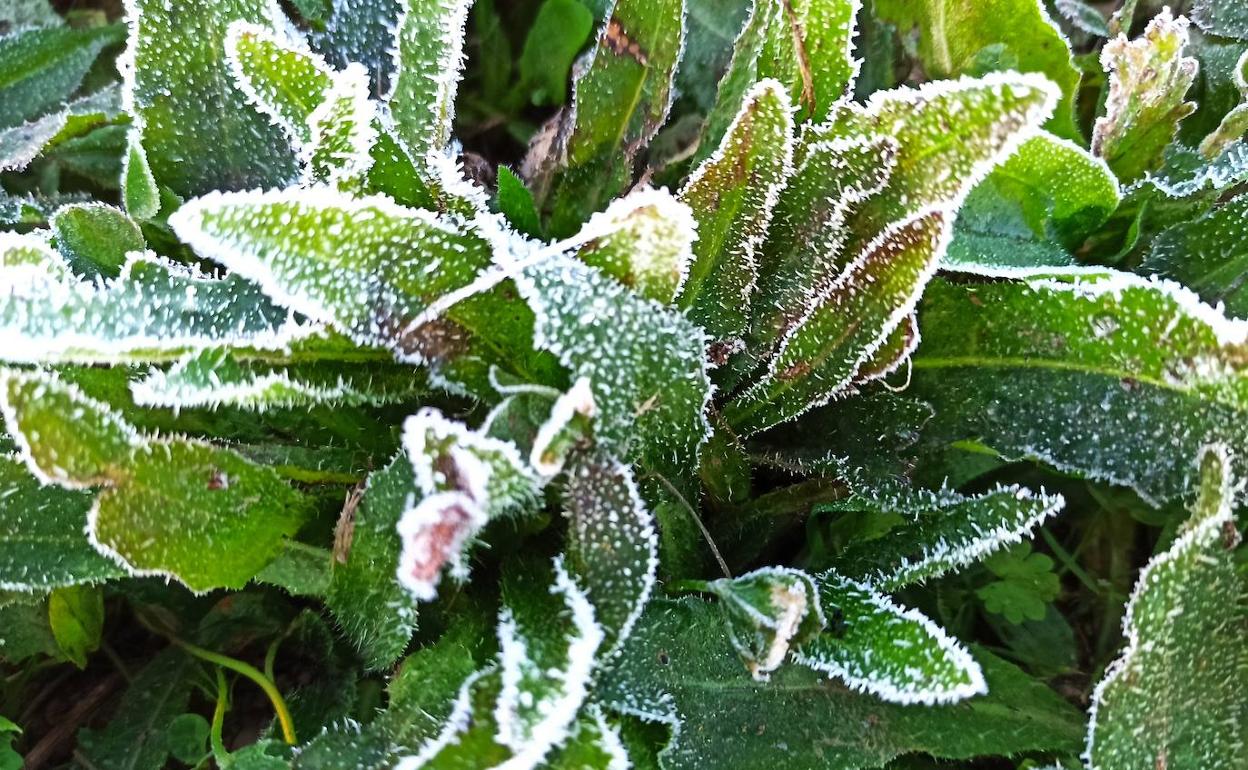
{"x": 806, "y": 45}
{"x": 360, "y": 31}
{"x": 176, "y": 507}
{"x": 24, "y": 629}
{"x": 43, "y": 544}
{"x": 679, "y": 669}
{"x": 1116, "y": 378}
{"x": 42, "y": 67}
{"x": 1033, "y": 210}
{"x": 9, "y": 759}
{"x": 621, "y": 100}
{"x": 185, "y": 104}
{"x": 281, "y": 79}
{"x": 954, "y": 35}
{"x": 960, "y": 531}
{"x": 76, "y": 617}
{"x": 852, "y": 319}
{"x": 342, "y": 132}
{"x": 645, "y": 363}
{"x": 612, "y": 548}
{"x": 153, "y": 310}
{"x": 1221, "y": 17}
{"x": 1148, "y": 82}
{"x": 370, "y": 604}
{"x": 1083, "y": 16}
{"x": 22, "y": 144}
{"x": 643, "y": 240}
{"x": 557, "y": 35}
{"x": 96, "y": 239}
{"x": 1208, "y": 255}
{"x": 465, "y": 479}
{"x": 594, "y": 744}
{"x": 769, "y": 611}
{"x": 1025, "y": 584}
{"x": 1234, "y": 124}
{"x": 139, "y": 192}
{"x": 1174, "y": 697}
{"x": 732, "y": 196}
{"x": 428, "y": 56}
{"x": 214, "y": 377}
{"x": 515, "y": 203}
{"x": 876, "y": 646}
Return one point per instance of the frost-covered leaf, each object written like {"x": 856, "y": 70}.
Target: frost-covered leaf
{"x": 139, "y": 192}
{"x": 95, "y": 238}
{"x": 679, "y": 668}
{"x": 594, "y": 744}
{"x": 643, "y": 240}
{"x": 769, "y": 611}
{"x": 1083, "y": 16}
{"x": 21, "y": 144}
{"x": 214, "y": 377}
{"x": 516, "y": 714}
{"x": 1117, "y": 378}
{"x": 621, "y": 100}
{"x": 1148, "y": 82}
{"x": 428, "y": 55}
{"x": 732, "y": 195}
{"x": 805, "y": 45}
{"x": 955, "y": 35}
{"x": 645, "y": 363}
{"x": 1175, "y": 696}
{"x": 1209, "y": 255}
{"x": 370, "y": 604}
{"x": 42, "y": 540}
{"x": 40, "y": 67}
{"x": 371, "y": 268}
{"x": 153, "y": 310}
{"x": 961, "y": 530}
{"x": 1234, "y": 124}
{"x": 856, "y": 315}
{"x": 175, "y": 507}
{"x": 185, "y": 103}
{"x": 612, "y": 546}
{"x": 1034, "y": 209}
{"x": 280, "y": 77}
{"x": 465, "y": 479}
{"x": 341, "y": 132}
{"x": 878, "y": 647}
{"x": 1221, "y": 17}
{"x": 360, "y": 31}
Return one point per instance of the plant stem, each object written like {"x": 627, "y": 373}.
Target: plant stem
{"x": 249, "y": 671}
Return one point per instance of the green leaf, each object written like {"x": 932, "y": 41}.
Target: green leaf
{"x": 153, "y": 310}
{"x": 1221, "y": 17}
{"x": 175, "y": 507}
{"x": 95, "y": 238}
{"x": 342, "y": 133}
{"x": 557, "y": 35}
{"x": 1209, "y": 255}
{"x": 373, "y": 269}
{"x": 515, "y": 203}
{"x": 732, "y": 195}
{"x": 25, "y": 631}
{"x": 1234, "y": 124}
{"x": 139, "y": 190}
{"x": 594, "y": 744}
{"x": 1117, "y": 378}
{"x": 280, "y": 78}
{"x": 806, "y": 45}
{"x": 137, "y": 737}
{"x": 1037, "y": 206}
{"x": 185, "y": 104}
{"x": 214, "y": 377}
{"x": 465, "y": 479}
{"x": 958, "y": 531}
{"x": 22, "y": 144}
{"x": 429, "y": 56}
{"x": 1175, "y": 695}
{"x": 42, "y": 543}
{"x": 76, "y": 616}
{"x": 299, "y": 569}
{"x": 954, "y": 35}
{"x": 768, "y": 611}
{"x": 622, "y": 99}
{"x": 9, "y": 759}
{"x": 41, "y": 67}
{"x": 857, "y": 313}
{"x": 1084, "y": 17}
{"x": 1148, "y": 80}
{"x": 876, "y": 646}
{"x": 643, "y": 240}
{"x": 1025, "y": 584}
{"x": 645, "y": 363}
{"x": 360, "y": 31}
{"x": 679, "y": 668}
{"x": 612, "y": 546}
{"x": 370, "y": 604}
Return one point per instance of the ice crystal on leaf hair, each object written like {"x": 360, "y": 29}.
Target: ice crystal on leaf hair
{"x": 697, "y": 438}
